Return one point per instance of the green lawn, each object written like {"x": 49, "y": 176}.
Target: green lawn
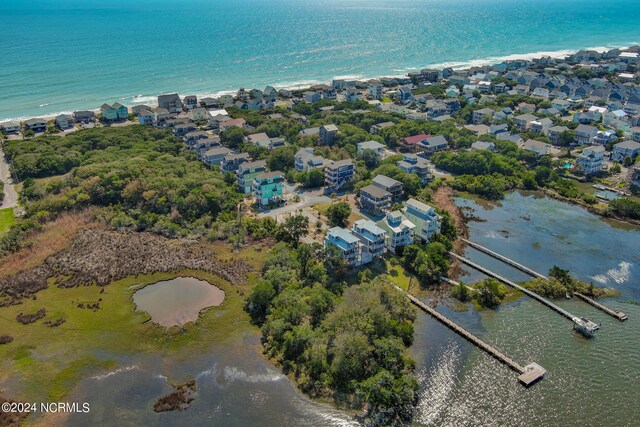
{"x": 6, "y": 219}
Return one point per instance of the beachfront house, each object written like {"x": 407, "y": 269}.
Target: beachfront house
{"x": 84, "y": 116}
{"x": 170, "y": 102}
{"x": 338, "y": 174}
{"x": 213, "y": 156}
{"x": 114, "y": 113}
{"x": 374, "y": 146}
{"x": 371, "y": 236}
{"x": 305, "y": 160}
{"x": 247, "y": 172}
{"x": 12, "y": 126}
{"x": 399, "y": 230}
{"x": 190, "y": 101}
{"x": 147, "y": 117}
{"x": 591, "y": 160}
{"x": 267, "y": 188}
{"x": 349, "y": 246}
{"x": 65, "y": 121}
{"x": 625, "y": 149}
{"x": 36, "y": 124}
{"x": 427, "y": 221}
{"x": 375, "y": 199}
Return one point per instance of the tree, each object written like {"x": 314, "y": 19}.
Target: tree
{"x": 336, "y": 264}
{"x": 282, "y": 159}
{"x": 258, "y": 301}
{"x": 627, "y": 161}
{"x": 234, "y": 136}
{"x": 370, "y": 158}
{"x": 338, "y": 214}
{"x": 293, "y": 228}
{"x": 489, "y": 293}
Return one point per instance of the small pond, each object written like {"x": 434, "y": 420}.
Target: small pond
{"x": 177, "y": 301}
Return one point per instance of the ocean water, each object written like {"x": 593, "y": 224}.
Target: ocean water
{"x": 63, "y": 55}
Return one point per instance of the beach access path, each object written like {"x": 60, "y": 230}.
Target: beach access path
{"x": 10, "y": 195}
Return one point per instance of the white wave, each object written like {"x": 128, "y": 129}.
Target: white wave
{"x": 235, "y": 374}
{"x": 619, "y": 275}
{"x": 300, "y": 84}
{"x": 493, "y": 235}
{"x": 600, "y": 278}
{"x": 117, "y": 371}
{"x": 524, "y": 56}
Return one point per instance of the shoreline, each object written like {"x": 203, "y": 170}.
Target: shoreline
{"x": 151, "y": 100}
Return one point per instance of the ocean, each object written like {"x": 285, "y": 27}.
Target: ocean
{"x": 64, "y": 55}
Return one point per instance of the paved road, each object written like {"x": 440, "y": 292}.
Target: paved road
{"x": 10, "y": 195}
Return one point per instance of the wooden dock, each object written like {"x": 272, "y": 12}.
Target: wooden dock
{"x": 506, "y": 281}
{"x": 527, "y": 375}
{"x": 504, "y": 259}
{"x": 613, "y": 313}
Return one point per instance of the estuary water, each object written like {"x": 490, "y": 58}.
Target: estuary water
{"x": 589, "y": 382}
{"x": 177, "y": 301}
{"x": 66, "y": 55}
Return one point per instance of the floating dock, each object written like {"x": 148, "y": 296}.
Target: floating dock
{"x": 527, "y": 375}
{"x": 613, "y": 313}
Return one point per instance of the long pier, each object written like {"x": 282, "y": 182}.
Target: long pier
{"x": 613, "y": 313}
{"x": 527, "y": 375}
{"x": 504, "y": 259}
{"x": 506, "y": 281}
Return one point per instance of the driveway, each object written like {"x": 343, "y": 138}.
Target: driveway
{"x": 307, "y": 198}
{"x": 10, "y": 195}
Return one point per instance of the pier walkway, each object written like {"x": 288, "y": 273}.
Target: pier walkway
{"x": 613, "y": 313}
{"x": 528, "y": 374}
{"x": 506, "y": 281}
{"x": 504, "y": 259}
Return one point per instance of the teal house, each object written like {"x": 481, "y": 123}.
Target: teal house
{"x": 115, "y": 112}
{"x": 267, "y": 187}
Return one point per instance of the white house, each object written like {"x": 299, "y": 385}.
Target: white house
{"x": 398, "y": 228}
{"x": 625, "y": 149}
{"x": 591, "y": 160}
{"x": 375, "y": 146}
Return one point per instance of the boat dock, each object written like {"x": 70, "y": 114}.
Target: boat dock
{"x": 527, "y": 375}
{"x": 506, "y": 281}
{"x": 613, "y": 313}
{"x": 504, "y": 259}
